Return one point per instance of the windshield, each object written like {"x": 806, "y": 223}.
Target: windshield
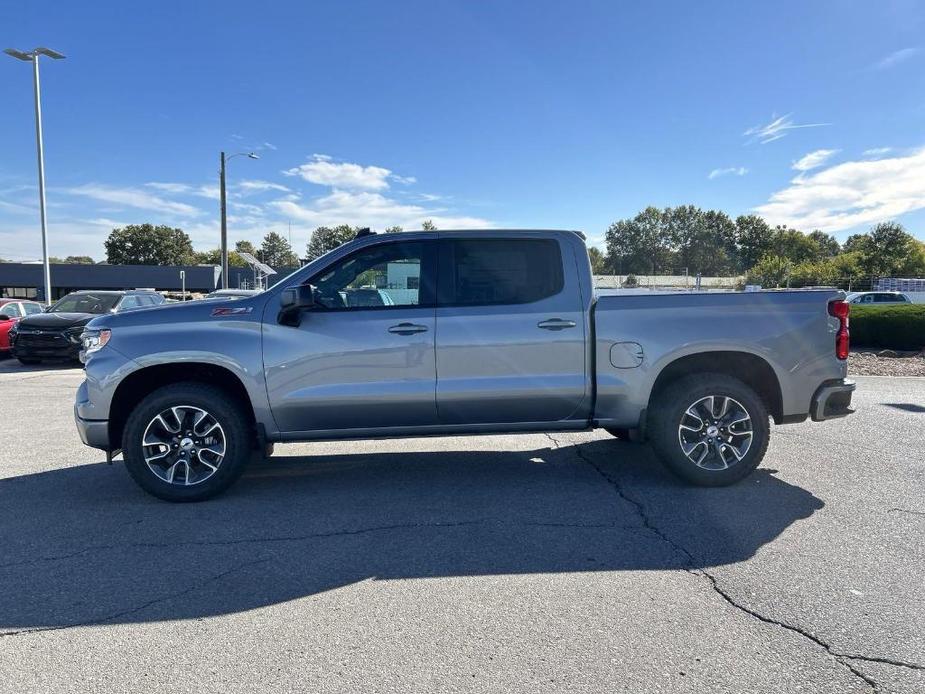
{"x": 86, "y": 303}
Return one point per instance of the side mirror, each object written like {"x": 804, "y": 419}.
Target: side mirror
{"x": 46, "y": 309}
{"x": 293, "y": 301}
{"x": 4, "y": 318}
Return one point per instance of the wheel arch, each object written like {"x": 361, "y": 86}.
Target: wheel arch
{"x": 752, "y": 369}
{"x": 140, "y": 383}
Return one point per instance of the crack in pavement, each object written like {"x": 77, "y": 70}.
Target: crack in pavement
{"x": 840, "y": 657}
{"x": 906, "y": 510}
{"x": 309, "y": 536}
{"x": 139, "y": 608}
{"x": 241, "y": 541}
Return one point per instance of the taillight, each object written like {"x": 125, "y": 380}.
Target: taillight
{"x": 840, "y": 310}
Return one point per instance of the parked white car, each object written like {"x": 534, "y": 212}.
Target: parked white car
{"x": 878, "y": 298}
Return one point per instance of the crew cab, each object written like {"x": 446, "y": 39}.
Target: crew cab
{"x": 482, "y": 331}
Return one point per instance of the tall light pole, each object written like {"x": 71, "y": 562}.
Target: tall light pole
{"x": 221, "y": 182}
{"x": 33, "y": 57}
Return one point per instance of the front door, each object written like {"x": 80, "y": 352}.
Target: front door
{"x": 510, "y": 331}
{"x": 364, "y": 356}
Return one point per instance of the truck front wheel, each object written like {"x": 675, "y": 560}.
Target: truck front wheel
{"x": 709, "y": 429}
{"x": 186, "y": 442}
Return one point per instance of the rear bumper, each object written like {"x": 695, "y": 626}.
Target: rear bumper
{"x": 832, "y": 400}
{"x": 93, "y": 432}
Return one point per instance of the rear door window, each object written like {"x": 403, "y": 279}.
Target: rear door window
{"x": 11, "y": 310}
{"x": 491, "y": 272}
{"x": 130, "y": 302}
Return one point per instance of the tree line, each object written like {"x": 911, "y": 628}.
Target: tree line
{"x": 656, "y": 241}
{"x": 709, "y": 242}
{"x": 148, "y": 244}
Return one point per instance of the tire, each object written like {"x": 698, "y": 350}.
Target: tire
{"x": 28, "y": 362}
{"x": 733, "y": 452}
{"x": 198, "y": 471}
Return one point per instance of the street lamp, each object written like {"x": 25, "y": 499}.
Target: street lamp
{"x": 221, "y": 178}
{"x": 33, "y": 57}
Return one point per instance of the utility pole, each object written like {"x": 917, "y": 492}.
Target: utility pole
{"x": 221, "y": 179}
{"x": 221, "y": 185}
{"x": 33, "y": 57}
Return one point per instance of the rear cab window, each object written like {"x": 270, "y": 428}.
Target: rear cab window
{"x": 493, "y": 272}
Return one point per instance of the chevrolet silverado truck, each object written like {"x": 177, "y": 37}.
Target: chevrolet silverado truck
{"x": 450, "y": 333}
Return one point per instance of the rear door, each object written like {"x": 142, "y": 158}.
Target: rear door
{"x": 510, "y": 330}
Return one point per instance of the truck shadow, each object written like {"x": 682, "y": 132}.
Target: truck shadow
{"x": 83, "y": 545}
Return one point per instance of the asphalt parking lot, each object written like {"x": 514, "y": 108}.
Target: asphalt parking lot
{"x": 526, "y": 563}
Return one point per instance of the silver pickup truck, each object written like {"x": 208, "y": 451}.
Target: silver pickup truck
{"x": 457, "y": 332}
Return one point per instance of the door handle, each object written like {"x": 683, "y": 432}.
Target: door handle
{"x": 555, "y": 324}
{"x": 407, "y": 329}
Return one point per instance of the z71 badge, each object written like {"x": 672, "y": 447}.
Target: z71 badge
{"x": 231, "y": 311}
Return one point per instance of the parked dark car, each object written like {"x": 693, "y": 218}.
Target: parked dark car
{"x": 11, "y": 311}
{"x": 55, "y": 334}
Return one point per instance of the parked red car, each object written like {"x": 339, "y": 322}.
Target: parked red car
{"x": 11, "y": 310}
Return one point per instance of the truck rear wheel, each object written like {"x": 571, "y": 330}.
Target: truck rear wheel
{"x": 709, "y": 429}
{"x": 186, "y": 442}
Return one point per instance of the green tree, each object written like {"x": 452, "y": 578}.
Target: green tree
{"x": 245, "y": 247}
{"x": 793, "y": 245}
{"x": 393, "y": 230}
{"x": 428, "y": 225}
{"x": 73, "y": 260}
{"x": 639, "y": 245}
{"x": 598, "y": 261}
{"x": 771, "y": 271}
{"x": 892, "y": 252}
{"x": 856, "y": 243}
{"x": 326, "y": 239}
{"x": 828, "y": 245}
{"x": 275, "y": 251}
{"x": 705, "y": 241}
{"x": 214, "y": 257}
{"x": 146, "y": 244}
{"x": 753, "y": 241}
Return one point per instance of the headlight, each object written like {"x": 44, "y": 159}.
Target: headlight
{"x": 74, "y": 334}
{"x": 94, "y": 340}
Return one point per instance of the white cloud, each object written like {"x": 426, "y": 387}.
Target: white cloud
{"x": 731, "y": 171}
{"x": 133, "y": 197}
{"x": 877, "y": 151}
{"x": 259, "y": 186}
{"x": 16, "y": 208}
{"x": 256, "y": 210}
{"x": 270, "y": 145}
{"x": 777, "y": 129}
{"x": 895, "y": 58}
{"x": 354, "y": 194}
{"x": 205, "y": 191}
{"x": 851, "y": 193}
{"x": 814, "y": 160}
{"x": 365, "y": 208}
{"x": 322, "y": 170}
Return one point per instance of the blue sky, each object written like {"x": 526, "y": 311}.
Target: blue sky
{"x": 533, "y": 114}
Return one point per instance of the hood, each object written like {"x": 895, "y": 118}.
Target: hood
{"x": 52, "y": 321}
